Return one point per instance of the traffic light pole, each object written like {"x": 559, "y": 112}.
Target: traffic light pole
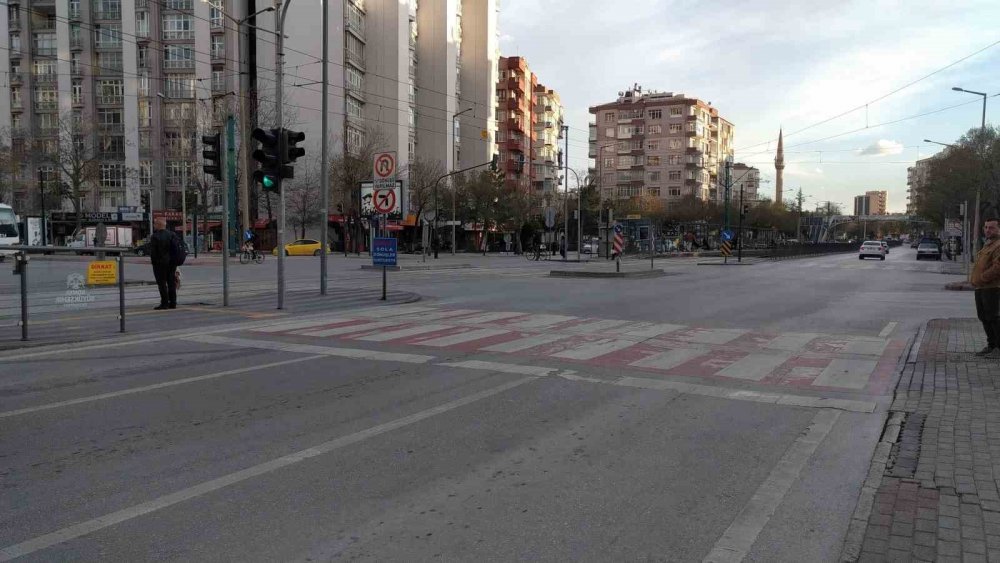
{"x": 279, "y": 63}
{"x": 324, "y": 162}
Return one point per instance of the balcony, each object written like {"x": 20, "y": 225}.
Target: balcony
{"x": 358, "y": 92}
{"x": 110, "y": 100}
{"x": 178, "y": 64}
{"x": 357, "y": 28}
{"x": 515, "y": 84}
{"x": 16, "y": 78}
{"x": 113, "y": 15}
{"x": 46, "y": 104}
{"x": 515, "y": 145}
{"x": 112, "y": 128}
{"x": 178, "y": 4}
{"x": 515, "y": 124}
{"x": 108, "y": 45}
{"x": 44, "y": 51}
{"x": 217, "y": 55}
{"x": 76, "y": 43}
{"x": 15, "y": 24}
{"x": 357, "y": 59}
{"x": 45, "y": 78}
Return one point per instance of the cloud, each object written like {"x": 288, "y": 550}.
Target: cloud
{"x": 882, "y": 147}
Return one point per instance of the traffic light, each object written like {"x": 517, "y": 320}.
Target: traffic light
{"x": 144, "y": 201}
{"x": 746, "y": 209}
{"x": 269, "y": 159}
{"x": 212, "y": 155}
{"x": 291, "y": 152}
{"x": 495, "y": 162}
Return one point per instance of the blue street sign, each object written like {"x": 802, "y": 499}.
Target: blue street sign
{"x": 618, "y": 228}
{"x": 384, "y": 252}
{"x": 727, "y": 235}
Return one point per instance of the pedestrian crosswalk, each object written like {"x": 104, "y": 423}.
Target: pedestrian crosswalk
{"x": 859, "y": 363}
{"x": 890, "y": 265}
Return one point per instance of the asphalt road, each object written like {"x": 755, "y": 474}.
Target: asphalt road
{"x": 716, "y": 413}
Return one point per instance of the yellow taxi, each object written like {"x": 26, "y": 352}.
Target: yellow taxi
{"x": 302, "y": 247}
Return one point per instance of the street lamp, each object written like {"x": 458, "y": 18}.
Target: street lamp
{"x": 454, "y": 165}
{"x": 982, "y": 128}
{"x": 579, "y": 212}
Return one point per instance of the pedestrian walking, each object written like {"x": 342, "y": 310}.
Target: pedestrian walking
{"x": 562, "y": 246}
{"x": 163, "y": 249}
{"x": 986, "y": 280}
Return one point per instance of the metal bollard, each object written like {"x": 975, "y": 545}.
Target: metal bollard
{"x": 121, "y": 292}
{"x": 21, "y": 269}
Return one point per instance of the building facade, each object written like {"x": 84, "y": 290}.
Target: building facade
{"x": 119, "y": 89}
{"x": 745, "y": 180}
{"x": 547, "y": 156}
{"x": 516, "y": 134}
{"x": 877, "y": 201}
{"x": 660, "y": 145}
{"x": 862, "y": 205}
{"x": 917, "y": 180}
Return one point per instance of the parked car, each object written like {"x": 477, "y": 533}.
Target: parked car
{"x": 914, "y": 243}
{"x": 301, "y": 247}
{"x": 885, "y": 245}
{"x": 928, "y": 250}
{"x": 872, "y": 248}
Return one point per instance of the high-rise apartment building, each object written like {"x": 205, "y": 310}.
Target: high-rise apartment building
{"x": 547, "y": 154}
{"x": 659, "y": 144}
{"x": 745, "y": 180}
{"x": 120, "y": 89}
{"x": 516, "y": 120}
{"x": 862, "y": 205}
{"x": 143, "y": 79}
{"x": 917, "y": 179}
{"x": 877, "y": 202}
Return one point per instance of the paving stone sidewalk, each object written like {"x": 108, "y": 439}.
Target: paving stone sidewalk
{"x": 938, "y": 498}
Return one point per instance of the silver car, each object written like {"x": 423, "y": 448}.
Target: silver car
{"x": 928, "y": 250}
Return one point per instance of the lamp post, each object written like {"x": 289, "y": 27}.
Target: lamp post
{"x": 454, "y": 165}
{"x": 982, "y": 129}
{"x": 579, "y": 211}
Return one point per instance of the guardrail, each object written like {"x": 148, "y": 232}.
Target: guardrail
{"x": 22, "y": 258}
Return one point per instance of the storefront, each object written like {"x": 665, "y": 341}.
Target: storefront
{"x": 64, "y": 224}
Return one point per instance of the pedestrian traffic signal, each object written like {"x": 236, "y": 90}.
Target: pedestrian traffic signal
{"x": 212, "y": 155}
{"x": 269, "y": 158}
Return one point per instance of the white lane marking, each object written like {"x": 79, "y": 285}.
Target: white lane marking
{"x": 850, "y": 374}
{"x": 463, "y": 337}
{"x": 444, "y": 314}
{"x": 653, "y": 331}
{"x": 712, "y": 335}
{"x": 541, "y": 321}
{"x": 383, "y": 311}
{"x": 153, "y": 387}
{"x": 298, "y": 325}
{"x": 669, "y": 359}
{"x": 741, "y": 534}
{"x": 889, "y": 327}
{"x": 754, "y": 366}
{"x": 525, "y": 343}
{"x": 488, "y": 318}
{"x": 362, "y": 327}
{"x": 90, "y": 526}
{"x": 355, "y": 353}
{"x": 596, "y": 326}
{"x": 865, "y": 346}
{"x": 536, "y": 371}
{"x": 791, "y": 342}
{"x": 403, "y": 333}
{"x": 592, "y": 350}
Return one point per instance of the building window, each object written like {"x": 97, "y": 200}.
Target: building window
{"x": 179, "y": 86}
{"x": 654, "y": 129}
{"x": 218, "y": 80}
{"x": 144, "y": 141}
{"x": 676, "y": 144}
{"x": 353, "y": 107}
{"x": 113, "y": 146}
{"x": 676, "y": 128}
{"x": 110, "y": 91}
{"x": 654, "y": 176}
{"x": 654, "y": 113}
{"x": 74, "y": 64}
{"x": 674, "y": 175}
{"x": 15, "y": 121}
{"x": 108, "y": 35}
{"x": 355, "y": 138}
{"x": 145, "y": 113}
{"x": 178, "y": 26}
{"x": 176, "y": 172}
{"x": 178, "y": 112}
{"x": 142, "y": 85}
{"x": 77, "y": 92}
{"x": 15, "y": 96}
{"x": 652, "y": 145}
{"x": 676, "y": 111}
{"x": 145, "y": 173}
{"x": 355, "y": 49}
{"x": 109, "y": 117}
{"x": 653, "y": 191}
{"x": 355, "y": 80}
{"x": 652, "y": 161}
{"x": 142, "y": 57}
{"x": 112, "y": 176}
{"x": 218, "y": 47}
{"x": 46, "y": 98}
{"x": 215, "y": 17}
{"x": 142, "y": 24}
{"x": 675, "y": 159}
{"x": 609, "y": 117}
{"x": 110, "y": 61}
{"x": 179, "y": 56}
{"x": 48, "y": 121}
{"x": 45, "y": 43}
{"x": 675, "y": 191}
{"x": 15, "y": 43}
{"x": 609, "y": 161}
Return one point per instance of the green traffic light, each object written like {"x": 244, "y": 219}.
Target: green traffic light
{"x": 268, "y": 182}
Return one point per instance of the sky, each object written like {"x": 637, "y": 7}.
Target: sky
{"x": 771, "y": 64}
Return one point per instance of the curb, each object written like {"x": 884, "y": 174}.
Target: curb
{"x": 959, "y": 286}
{"x": 658, "y": 273}
{"x": 418, "y": 268}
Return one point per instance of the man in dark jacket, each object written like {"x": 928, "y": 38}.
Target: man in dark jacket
{"x": 163, "y": 267}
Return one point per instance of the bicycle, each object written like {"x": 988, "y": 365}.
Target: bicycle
{"x": 254, "y": 255}
{"x": 536, "y": 253}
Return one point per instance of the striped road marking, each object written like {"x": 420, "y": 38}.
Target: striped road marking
{"x": 463, "y": 337}
{"x": 593, "y": 350}
{"x": 669, "y": 359}
{"x": 850, "y": 374}
{"x": 525, "y": 343}
{"x": 754, "y": 367}
{"x": 338, "y": 330}
{"x": 541, "y": 321}
{"x": 403, "y": 333}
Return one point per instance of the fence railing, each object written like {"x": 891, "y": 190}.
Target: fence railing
{"x": 21, "y": 255}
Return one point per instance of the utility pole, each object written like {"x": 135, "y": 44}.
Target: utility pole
{"x": 565, "y": 253}
{"x": 454, "y": 165}
{"x": 324, "y": 162}
{"x": 279, "y": 63}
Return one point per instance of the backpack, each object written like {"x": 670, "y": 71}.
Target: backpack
{"x": 178, "y": 253}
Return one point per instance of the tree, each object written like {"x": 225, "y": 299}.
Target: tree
{"x": 421, "y": 175}
{"x": 972, "y": 163}
{"x": 302, "y": 198}
{"x": 481, "y": 193}
{"x": 76, "y": 157}
{"x": 354, "y": 166}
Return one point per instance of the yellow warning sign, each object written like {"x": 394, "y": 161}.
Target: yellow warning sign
{"x": 102, "y": 272}
{"x": 726, "y": 248}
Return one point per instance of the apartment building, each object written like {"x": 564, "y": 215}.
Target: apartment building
{"x": 129, "y": 85}
{"x": 917, "y": 179}
{"x": 660, "y": 145}
{"x": 877, "y": 200}
{"x": 745, "y": 180}
{"x": 516, "y": 133}
{"x": 409, "y": 75}
{"x": 862, "y": 205}
{"x": 546, "y": 156}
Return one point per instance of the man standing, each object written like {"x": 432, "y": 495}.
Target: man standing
{"x": 164, "y": 269}
{"x": 986, "y": 280}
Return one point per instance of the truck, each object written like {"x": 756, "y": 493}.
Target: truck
{"x": 120, "y": 237}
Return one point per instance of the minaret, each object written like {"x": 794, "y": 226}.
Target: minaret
{"x": 779, "y": 165}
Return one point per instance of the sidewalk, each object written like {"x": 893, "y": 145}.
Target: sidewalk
{"x": 936, "y": 497}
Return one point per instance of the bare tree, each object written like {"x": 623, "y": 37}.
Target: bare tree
{"x": 302, "y": 198}
{"x": 354, "y": 166}
{"x": 76, "y": 157}
{"x": 422, "y": 174}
